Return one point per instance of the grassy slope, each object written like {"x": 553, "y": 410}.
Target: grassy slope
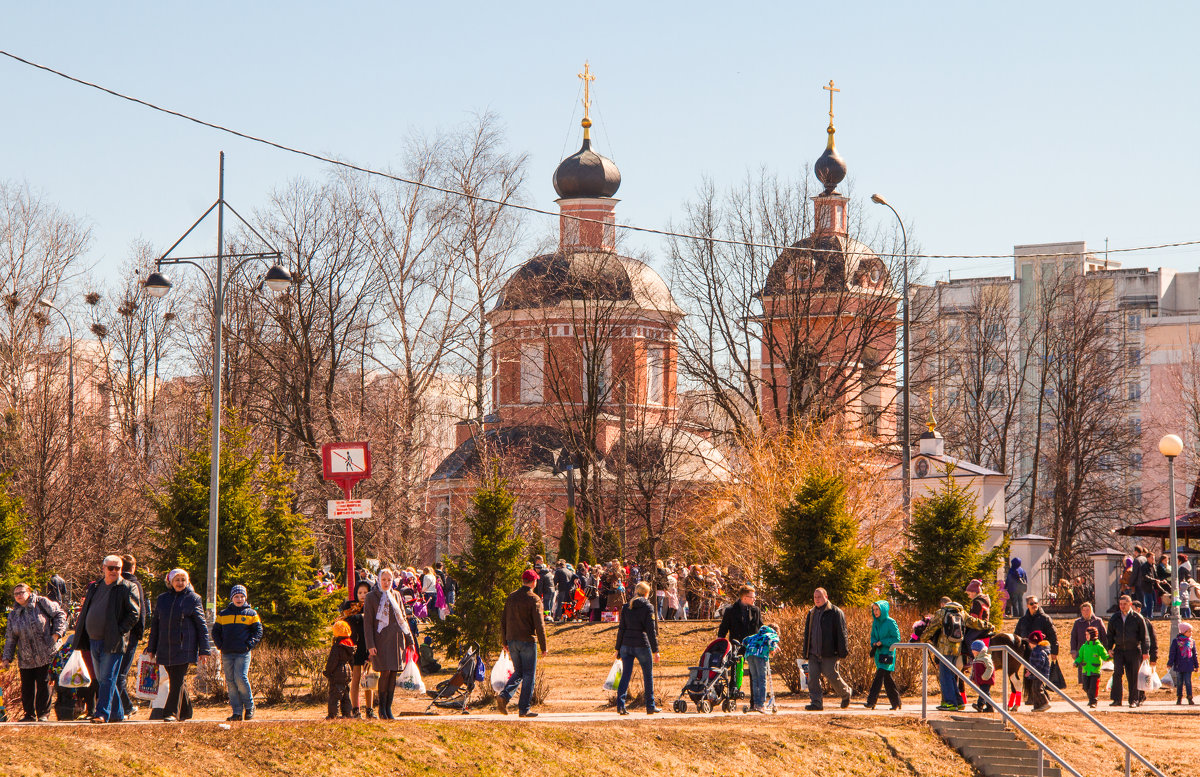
{"x": 834, "y": 748}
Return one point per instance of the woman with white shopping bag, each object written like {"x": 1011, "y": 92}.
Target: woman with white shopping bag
{"x": 637, "y": 638}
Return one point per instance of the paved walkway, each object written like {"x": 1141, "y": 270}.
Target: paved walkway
{"x": 790, "y": 708}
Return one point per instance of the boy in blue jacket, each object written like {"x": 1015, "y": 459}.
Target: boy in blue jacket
{"x": 236, "y": 631}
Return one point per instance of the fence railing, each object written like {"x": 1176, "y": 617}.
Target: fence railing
{"x": 1008, "y": 653}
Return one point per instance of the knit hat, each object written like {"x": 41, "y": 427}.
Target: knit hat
{"x": 1185, "y": 628}
{"x": 172, "y": 574}
{"x": 977, "y": 646}
{"x": 529, "y": 576}
{"x": 975, "y": 587}
{"x": 1036, "y": 637}
{"x": 237, "y": 589}
{"x": 341, "y": 629}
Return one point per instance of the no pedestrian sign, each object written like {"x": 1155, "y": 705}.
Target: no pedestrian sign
{"x": 340, "y": 509}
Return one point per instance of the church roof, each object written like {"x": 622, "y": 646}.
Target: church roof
{"x": 549, "y": 280}
{"x": 586, "y": 174}
{"x": 825, "y": 262}
{"x": 525, "y": 447}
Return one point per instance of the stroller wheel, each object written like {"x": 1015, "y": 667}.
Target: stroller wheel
{"x": 729, "y": 705}
{"x": 704, "y": 706}
{"x": 680, "y": 706}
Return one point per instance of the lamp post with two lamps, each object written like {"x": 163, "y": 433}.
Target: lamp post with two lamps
{"x": 1171, "y": 446}
{"x": 905, "y": 453}
{"x": 157, "y": 285}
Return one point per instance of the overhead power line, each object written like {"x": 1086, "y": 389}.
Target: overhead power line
{"x": 518, "y": 206}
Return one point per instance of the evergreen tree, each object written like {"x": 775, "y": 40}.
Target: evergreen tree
{"x": 568, "y": 541}
{"x": 12, "y": 543}
{"x": 181, "y": 539}
{"x": 586, "y": 553}
{"x": 945, "y": 548}
{"x": 818, "y": 547}
{"x": 537, "y": 543}
{"x": 487, "y": 572}
{"x": 278, "y": 567}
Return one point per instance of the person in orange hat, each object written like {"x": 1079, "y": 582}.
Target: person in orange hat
{"x": 337, "y": 671}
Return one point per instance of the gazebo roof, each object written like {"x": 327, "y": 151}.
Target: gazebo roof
{"x": 1186, "y": 525}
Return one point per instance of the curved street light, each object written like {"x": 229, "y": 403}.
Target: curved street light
{"x": 157, "y": 285}
{"x": 905, "y": 452}
{"x": 70, "y": 401}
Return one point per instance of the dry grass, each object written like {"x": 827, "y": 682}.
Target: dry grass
{"x": 832, "y": 748}
{"x": 1168, "y": 740}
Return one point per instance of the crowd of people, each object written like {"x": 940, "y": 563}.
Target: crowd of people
{"x": 377, "y": 631}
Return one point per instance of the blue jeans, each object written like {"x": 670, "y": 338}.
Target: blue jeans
{"x": 524, "y": 658}
{"x": 236, "y": 667}
{"x": 642, "y": 654}
{"x": 949, "y": 685}
{"x": 123, "y": 678}
{"x": 108, "y": 666}
{"x": 758, "y": 669}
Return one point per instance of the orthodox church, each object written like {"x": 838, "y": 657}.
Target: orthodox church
{"x": 586, "y": 410}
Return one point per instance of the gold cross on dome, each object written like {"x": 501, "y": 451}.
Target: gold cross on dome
{"x": 831, "y": 89}
{"x": 587, "y": 77}
{"x": 932, "y": 421}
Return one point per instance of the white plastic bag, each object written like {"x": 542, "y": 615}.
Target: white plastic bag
{"x": 1147, "y": 678}
{"x": 74, "y": 673}
{"x": 1107, "y": 666}
{"x": 614, "y": 676}
{"x": 803, "y": 674}
{"x": 502, "y": 671}
{"x": 410, "y": 680}
{"x": 1168, "y": 679}
{"x": 149, "y": 675}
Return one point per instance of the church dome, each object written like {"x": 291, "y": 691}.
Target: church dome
{"x": 826, "y": 262}
{"x": 586, "y": 174}
{"x": 830, "y": 168}
{"x": 552, "y": 279}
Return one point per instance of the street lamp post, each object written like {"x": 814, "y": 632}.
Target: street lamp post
{"x": 905, "y": 454}
{"x": 1171, "y": 446}
{"x": 70, "y": 402}
{"x": 156, "y": 285}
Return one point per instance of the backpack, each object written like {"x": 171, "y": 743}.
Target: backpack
{"x": 952, "y": 625}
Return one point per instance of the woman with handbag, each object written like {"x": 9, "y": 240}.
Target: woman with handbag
{"x": 388, "y": 638}
{"x": 885, "y": 632}
{"x": 178, "y": 638}
{"x": 34, "y": 629}
{"x": 353, "y": 615}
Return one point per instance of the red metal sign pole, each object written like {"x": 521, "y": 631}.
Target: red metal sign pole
{"x": 346, "y": 489}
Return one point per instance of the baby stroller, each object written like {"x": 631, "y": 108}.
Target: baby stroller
{"x": 455, "y": 693}
{"x": 712, "y": 681}
{"x": 573, "y": 606}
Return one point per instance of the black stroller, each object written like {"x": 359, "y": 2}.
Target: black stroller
{"x": 455, "y": 693}
{"x": 711, "y": 682}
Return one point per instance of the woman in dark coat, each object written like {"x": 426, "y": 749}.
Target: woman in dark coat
{"x": 178, "y": 639}
{"x": 637, "y": 638}
{"x": 353, "y": 615}
{"x": 387, "y": 636}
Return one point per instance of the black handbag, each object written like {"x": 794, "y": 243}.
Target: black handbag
{"x": 1056, "y": 676}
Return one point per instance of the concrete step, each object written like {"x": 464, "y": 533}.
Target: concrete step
{"x": 953, "y": 728}
{"x": 1017, "y": 770}
{"x": 978, "y": 721}
{"x": 1014, "y": 750}
{"x": 979, "y": 736}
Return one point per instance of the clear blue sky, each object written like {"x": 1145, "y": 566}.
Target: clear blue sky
{"x": 986, "y": 125}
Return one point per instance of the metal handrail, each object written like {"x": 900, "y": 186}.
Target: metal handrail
{"x": 926, "y": 649}
{"x": 1129, "y": 751}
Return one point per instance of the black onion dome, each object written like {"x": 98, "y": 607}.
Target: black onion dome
{"x": 830, "y": 168}
{"x": 825, "y": 262}
{"x": 553, "y": 279}
{"x": 586, "y": 174}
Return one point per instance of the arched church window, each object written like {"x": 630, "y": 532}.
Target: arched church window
{"x": 532, "y": 369}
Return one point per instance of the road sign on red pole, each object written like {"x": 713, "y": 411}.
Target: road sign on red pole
{"x": 346, "y": 463}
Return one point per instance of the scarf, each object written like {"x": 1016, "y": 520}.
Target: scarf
{"x": 383, "y": 615}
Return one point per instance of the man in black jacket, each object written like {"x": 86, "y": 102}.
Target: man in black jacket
{"x": 742, "y": 618}
{"x": 1036, "y": 620}
{"x": 129, "y": 572}
{"x": 1129, "y": 645}
{"x": 825, "y": 642}
{"x": 107, "y": 617}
